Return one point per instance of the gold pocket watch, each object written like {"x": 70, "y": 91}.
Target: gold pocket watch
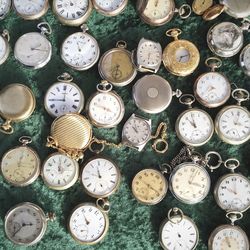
{"x": 5, "y": 8}
{"x": 200, "y": 6}
{"x": 116, "y": 65}
{"x": 180, "y": 57}
{"x": 4, "y": 46}
{"x": 20, "y": 166}
{"x": 17, "y": 103}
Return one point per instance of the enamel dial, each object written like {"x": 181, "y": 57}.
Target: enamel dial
{"x": 232, "y": 124}
{"x": 100, "y": 177}
{"x": 88, "y": 224}
{"x": 80, "y": 51}
{"x": 212, "y": 89}
{"x": 63, "y": 98}
{"x": 110, "y": 7}
{"x": 20, "y": 166}
{"x": 232, "y": 192}
{"x": 25, "y": 224}
{"x": 245, "y": 59}
{"x": 189, "y": 183}
{"x": 33, "y": 50}
{"x": 4, "y": 49}
{"x": 194, "y": 127}
{"x": 60, "y": 172}
{"x": 149, "y": 186}
{"x": 5, "y": 6}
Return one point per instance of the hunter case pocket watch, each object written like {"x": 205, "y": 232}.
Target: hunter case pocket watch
{"x": 200, "y": 6}
{"x": 245, "y": 59}
{"x": 180, "y": 57}
{"x": 4, "y": 8}
{"x": 4, "y": 46}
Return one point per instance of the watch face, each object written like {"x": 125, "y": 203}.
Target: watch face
{"x": 194, "y": 127}
{"x": 33, "y": 49}
{"x": 212, "y": 89}
{"x": 80, "y": 51}
{"x": 232, "y": 192}
{"x": 246, "y": 58}
{"x": 3, "y": 49}
{"x": 190, "y": 183}
{"x": 4, "y": 8}
{"x": 108, "y": 5}
{"x": 100, "y": 177}
{"x": 237, "y": 8}
{"x": 63, "y": 98}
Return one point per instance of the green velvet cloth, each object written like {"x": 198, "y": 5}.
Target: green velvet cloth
{"x": 132, "y": 225}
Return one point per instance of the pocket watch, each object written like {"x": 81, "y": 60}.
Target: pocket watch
{"x": 20, "y": 166}
{"x": 194, "y": 126}
{"x": 89, "y": 222}
{"x": 72, "y": 13}
{"x": 149, "y": 186}
{"x": 60, "y": 172}
{"x": 116, "y": 65}
{"x": 5, "y": 7}
{"x": 200, "y": 6}
{"x": 245, "y": 59}
{"x": 180, "y": 57}
{"x": 31, "y": 10}
{"x": 110, "y": 8}
{"x": 64, "y": 97}
{"x": 80, "y": 50}
{"x": 212, "y": 89}
{"x": 153, "y": 94}
{"x": 34, "y": 49}
{"x": 232, "y": 123}
{"x": 26, "y": 223}
{"x": 148, "y": 56}
{"x": 17, "y": 111}
{"x": 4, "y": 46}
{"x": 178, "y": 231}
{"x": 160, "y": 12}
{"x": 229, "y": 236}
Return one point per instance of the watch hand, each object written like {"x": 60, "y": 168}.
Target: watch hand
{"x": 45, "y": 50}
{"x": 192, "y": 176}
{"x": 231, "y": 190}
{"x": 195, "y": 184}
{"x": 191, "y": 123}
{"x": 182, "y": 57}
{"x": 149, "y": 186}
{"x": 87, "y": 222}
{"x": 134, "y": 128}
{"x": 57, "y": 100}
{"x": 98, "y": 172}
{"x": 193, "y": 120}
{"x": 210, "y": 88}
{"x": 228, "y": 242}
{"x": 22, "y": 226}
{"x": 36, "y": 47}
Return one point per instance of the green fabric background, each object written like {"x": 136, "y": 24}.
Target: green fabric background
{"x": 132, "y": 225}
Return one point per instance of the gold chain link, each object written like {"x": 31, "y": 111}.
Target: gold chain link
{"x": 104, "y": 142}
{"x": 161, "y": 130}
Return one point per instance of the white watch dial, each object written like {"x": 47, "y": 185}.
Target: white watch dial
{"x": 109, "y": 5}
{"x": 4, "y": 8}
{"x": 182, "y": 55}
{"x": 100, "y": 177}
{"x": 3, "y": 48}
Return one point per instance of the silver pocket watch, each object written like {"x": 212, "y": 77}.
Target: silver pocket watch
{"x": 4, "y": 46}
{"x": 244, "y": 59}
{"x": 5, "y": 7}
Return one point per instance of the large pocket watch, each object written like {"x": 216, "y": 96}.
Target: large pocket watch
{"x": 20, "y": 166}
{"x": 180, "y": 57}
{"x": 72, "y": 13}
{"x": 116, "y": 65}
{"x": 64, "y": 97}
{"x": 245, "y": 59}
{"x": 4, "y": 46}
{"x": 17, "y": 103}
{"x": 232, "y": 123}
{"x": 5, "y": 8}
{"x": 178, "y": 231}
{"x": 34, "y": 49}
{"x": 26, "y": 223}
{"x": 160, "y": 12}
{"x": 105, "y": 107}
{"x": 212, "y": 89}
{"x": 80, "y": 50}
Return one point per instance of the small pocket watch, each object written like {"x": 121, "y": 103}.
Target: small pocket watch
{"x": 105, "y": 107}
{"x": 72, "y": 13}
{"x": 178, "y": 231}
{"x": 20, "y": 166}
{"x": 34, "y": 49}
{"x": 245, "y": 59}
{"x": 89, "y": 222}
{"x": 116, "y": 65}
{"x": 5, "y": 8}
{"x": 110, "y": 8}
{"x": 194, "y": 126}
{"x": 26, "y": 223}
{"x": 17, "y": 111}
{"x": 148, "y": 56}
{"x": 4, "y": 46}
{"x": 160, "y": 12}
{"x": 80, "y": 50}
{"x": 60, "y": 172}
{"x": 212, "y": 89}
{"x": 64, "y": 97}
{"x": 232, "y": 123}
{"x": 180, "y": 57}
{"x": 153, "y": 94}
{"x": 31, "y": 10}
{"x": 200, "y": 6}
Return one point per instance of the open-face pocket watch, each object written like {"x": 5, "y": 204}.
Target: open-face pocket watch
{"x": 178, "y": 231}
{"x": 245, "y": 59}
{"x": 64, "y": 97}
{"x": 34, "y": 49}
{"x": 105, "y": 107}
{"x": 116, "y": 65}
{"x": 212, "y": 89}
{"x": 80, "y": 50}
{"x": 180, "y": 57}
{"x": 26, "y": 223}
{"x": 232, "y": 123}
{"x": 18, "y": 110}
{"x": 20, "y": 166}
{"x": 72, "y": 13}
{"x": 4, "y": 46}
{"x": 4, "y": 8}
